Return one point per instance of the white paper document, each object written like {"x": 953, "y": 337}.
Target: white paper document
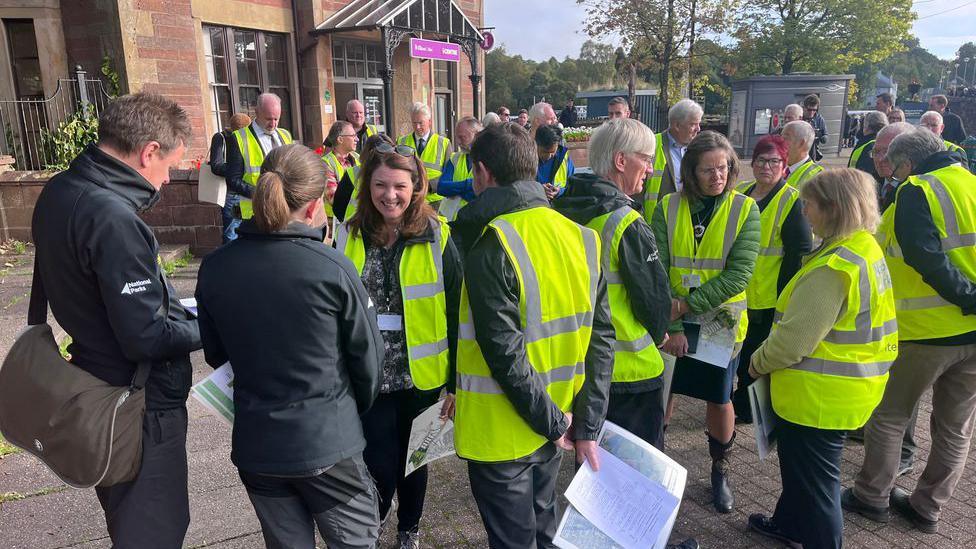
{"x": 576, "y": 531}
{"x": 216, "y": 392}
{"x": 763, "y": 418}
{"x": 190, "y": 304}
{"x": 716, "y": 340}
{"x": 431, "y": 438}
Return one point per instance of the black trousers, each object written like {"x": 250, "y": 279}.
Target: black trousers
{"x": 809, "y": 509}
{"x": 341, "y": 501}
{"x": 387, "y": 428}
{"x": 517, "y": 499}
{"x": 760, "y": 323}
{"x": 154, "y": 509}
{"x": 640, "y": 413}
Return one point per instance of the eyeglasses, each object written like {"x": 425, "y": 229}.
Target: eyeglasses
{"x": 768, "y": 162}
{"x": 347, "y": 135}
{"x": 718, "y": 170}
{"x": 811, "y": 109}
{"x": 879, "y": 154}
{"x": 402, "y": 150}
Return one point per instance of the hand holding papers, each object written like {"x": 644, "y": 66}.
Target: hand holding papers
{"x": 763, "y": 418}
{"x": 431, "y": 438}
{"x": 216, "y": 393}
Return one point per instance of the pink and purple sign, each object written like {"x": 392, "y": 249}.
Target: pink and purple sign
{"x": 433, "y": 49}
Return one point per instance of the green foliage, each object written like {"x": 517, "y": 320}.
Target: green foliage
{"x": 913, "y": 63}
{"x": 170, "y": 267}
{"x": 63, "y": 347}
{"x": 108, "y": 71}
{"x": 70, "y": 139}
{"x": 6, "y": 448}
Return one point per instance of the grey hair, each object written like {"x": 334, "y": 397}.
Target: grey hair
{"x": 914, "y": 147}
{"x": 473, "y": 123}
{"x": 266, "y": 98}
{"x": 490, "y": 118}
{"x": 875, "y": 120}
{"x": 931, "y": 114}
{"x": 538, "y": 110}
{"x": 802, "y": 130}
{"x": 351, "y": 101}
{"x": 794, "y": 108}
{"x": 895, "y": 129}
{"x": 684, "y": 110}
{"x": 420, "y": 108}
{"x": 618, "y": 101}
{"x": 130, "y": 122}
{"x": 623, "y": 135}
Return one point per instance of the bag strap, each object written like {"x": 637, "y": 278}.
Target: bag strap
{"x": 37, "y": 314}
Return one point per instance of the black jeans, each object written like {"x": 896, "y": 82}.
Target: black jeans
{"x": 640, "y": 413}
{"x": 154, "y": 509}
{"x": 387, "y": 428}
{"x": 760, "y": 323}
{"x": 809, "y": 509}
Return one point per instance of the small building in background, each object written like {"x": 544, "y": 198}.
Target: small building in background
{"x": 646, "y": 105}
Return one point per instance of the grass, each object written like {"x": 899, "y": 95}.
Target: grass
{"x": 6, "y": 448}
{"x": 17, "y": 496}
{"x": 15, "y": 247}
{"x": 170, "y": 267}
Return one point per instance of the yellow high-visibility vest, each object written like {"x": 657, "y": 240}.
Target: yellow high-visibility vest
{"x": 856, "y": 155}
{"x": 433, "y": 156}
{"x": 761, "y": 292}
{"x": 705, "y": 260}
{"x": 450, "y": 206}
{"x": 803, "y": 174}
{"x": 843, "y": 379}
{"x": 421, "y": 272}
{"x": 652, "y": 186}
{"x": 636, "y": 358}
{"x": 950, "y": 193}
{"x": 556, "y": 322}
{"x": 253, "y": 159}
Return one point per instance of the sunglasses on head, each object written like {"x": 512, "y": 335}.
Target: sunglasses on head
{"x": 402, "y": 150}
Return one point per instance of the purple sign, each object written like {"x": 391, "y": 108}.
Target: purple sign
{"x": 432, "y": 49}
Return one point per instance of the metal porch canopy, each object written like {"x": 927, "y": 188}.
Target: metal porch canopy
{"x": 397, "y": 19}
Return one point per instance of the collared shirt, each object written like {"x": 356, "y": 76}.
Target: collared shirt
{"x": 268, "y": 141}
{"x": 421, "y": 140}
{"x": 796, "y": 166}
{"x": 675, "y": 153}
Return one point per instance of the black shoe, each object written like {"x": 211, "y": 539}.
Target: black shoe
{"x": 850, "y": 503}
{"x": 900, "y": 503}
{"x": 690, "y": 543}
{"x": 767, "y": 527}
{"x": 722, "y": 497}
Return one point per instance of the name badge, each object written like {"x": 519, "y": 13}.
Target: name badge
{"x": 390, "y": 323}
{"x": 690, "y": 281}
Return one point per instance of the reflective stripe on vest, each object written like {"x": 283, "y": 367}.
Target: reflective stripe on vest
{"x": 450, "y": 206}
{"x": 253, "y": 156}
{"x": 421, "y": 272}
{"x": 556, "y": 321}
{"x": 841, "y": 382}
{"x": 856, "y": 155}
{"x": 707, "y": 258}
{"x": 433, "y": 157}
{"x": 802, "y": 174}
{"x": 950, "y": 194}
{"x": 652, "y": 186}
{"x": 354, "y": 198}
{"x": 635, "y": 356}
{"x": 952, "y": 147}
{"x": 761, "y": 292}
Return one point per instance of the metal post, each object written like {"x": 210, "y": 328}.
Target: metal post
{"x": 470, "y": 48}
{"x": 391, "y": 39}
{"x": 82, "y": 85}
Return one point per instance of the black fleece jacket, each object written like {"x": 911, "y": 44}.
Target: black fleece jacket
{"x": 493, "y": 292}
{"x": 98, "y": 262}
{"x": 648, "y": 289}
{"x": 921, "y": 245}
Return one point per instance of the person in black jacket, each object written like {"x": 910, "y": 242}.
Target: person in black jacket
{"x": 568, "y": 116}
{"x": 811, "y": 114}
{"x": 306, "y": 353}
{"x": 395, "y": 231}
{"x": 218, "y": 165}
{"x": 97, "y": 261}
{"x": 955, "y": 130}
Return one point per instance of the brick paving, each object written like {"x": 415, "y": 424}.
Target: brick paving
{"x": 49, "y": 515}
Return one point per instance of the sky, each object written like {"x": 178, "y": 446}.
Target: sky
{"x": 540, "y": 29}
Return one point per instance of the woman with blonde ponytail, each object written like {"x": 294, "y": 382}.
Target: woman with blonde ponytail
{"x": 294, "y": 322}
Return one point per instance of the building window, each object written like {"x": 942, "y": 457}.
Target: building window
{"x": 356, "y": 60}
{"x": 24, "y": 58}
{"x": 242, "y": 64}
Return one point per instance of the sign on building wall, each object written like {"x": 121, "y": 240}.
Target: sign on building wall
{"x": 433, "y": 49}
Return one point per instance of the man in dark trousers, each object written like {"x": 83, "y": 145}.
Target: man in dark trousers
{"x": 98, "y": 263}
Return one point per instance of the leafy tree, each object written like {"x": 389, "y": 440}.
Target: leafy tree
{"x": 820, "y": 35}
{"x": 912, "y": 63}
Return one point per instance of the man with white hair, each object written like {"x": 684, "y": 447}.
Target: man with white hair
{"x": 356, "y": 115}
{"x": 684, "y": 123}
{"x": 791, "y": 112}
{"x": 799, "y": 136}
{"x": 879, "y": 155}
{"x": 934, "y": 122}
{"x": 246, "y": 152}
{"x": 456, "y": 184}
{"x": 621, "y": 156}
{"x": 931, "y": 258}
{"x": 541, "y": 114}
{"x": 432, "y": 149}
{"x": 861, "y": 158}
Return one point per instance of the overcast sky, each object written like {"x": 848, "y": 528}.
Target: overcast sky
{"x": 540, "y": 29}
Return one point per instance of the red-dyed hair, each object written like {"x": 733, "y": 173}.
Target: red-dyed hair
{"x": 771, "y": 144}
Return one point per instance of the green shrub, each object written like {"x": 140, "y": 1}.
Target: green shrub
{"x": 70, "y": 139}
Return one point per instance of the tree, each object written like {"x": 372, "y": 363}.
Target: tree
{"x": 820, "y": 35}
{"x": 655, "y": 31}
{"x": 596, "y": 64}
{"x": 912, "y": 63}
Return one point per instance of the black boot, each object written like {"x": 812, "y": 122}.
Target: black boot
{"x": 722, "y": 496}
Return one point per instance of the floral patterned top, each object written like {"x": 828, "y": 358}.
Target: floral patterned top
{"x": 381, "y": 276}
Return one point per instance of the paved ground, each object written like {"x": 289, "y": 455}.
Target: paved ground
{"x": 37, "y": 511}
